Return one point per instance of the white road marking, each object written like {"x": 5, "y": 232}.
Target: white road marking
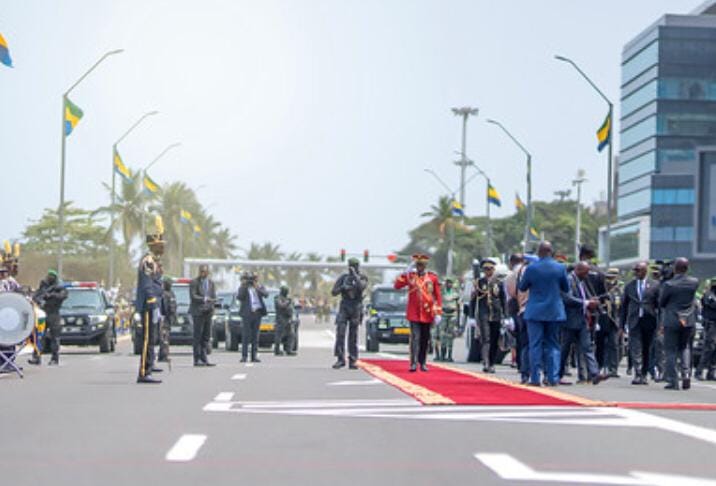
{"x": 96, "y": 358}
{"x": 374, "y": 381}
{"x": 703, "y": 385}
{"x": 239, "y": 376}
{"x": 224, "y": 397}
{"x": 186, "y": 448}
{"x": 682, "y": 428}
{"x": 249, "y": 365}
{"x": 509, "y": 468}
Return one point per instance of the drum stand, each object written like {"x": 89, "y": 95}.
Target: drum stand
{"x": 8, "y": 358}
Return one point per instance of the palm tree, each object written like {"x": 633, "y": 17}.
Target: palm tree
{"x": 265, "y": 251}
{"x": 127, "y": 210}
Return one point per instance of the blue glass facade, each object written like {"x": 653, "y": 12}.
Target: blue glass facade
{"x": 668, "y": 113}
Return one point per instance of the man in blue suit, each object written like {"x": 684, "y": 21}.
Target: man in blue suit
{"x": 546, "y": 280}
{"x": 580, "y": 305}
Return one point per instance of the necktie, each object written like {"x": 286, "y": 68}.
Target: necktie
{"x": 640, "y": 286}
{"x": 206, "y": 289}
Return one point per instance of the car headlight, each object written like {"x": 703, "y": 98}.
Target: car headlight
{"x": 99, "y": 319}
{"x": 181, "y": 320}
{"x": 137, "y": 317}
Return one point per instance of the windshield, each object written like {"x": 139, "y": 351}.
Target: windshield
{"x": 226, "y": 299}
{"x": 390, "y": 299}
{"x": 82, "y": 299}
{"x": 269, "y": 301}
{"x": 182, "y": 294}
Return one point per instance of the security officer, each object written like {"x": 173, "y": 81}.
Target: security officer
{"x": 350, "y": 286}
{"x": 49, "y": 296}
{"x": 676, "y": 301}
{"x": 607, "y": 337}
{"x": 708, "y": 354}
{"x": 488, "y": 307}
{"x": 149, "y": 297}
{"x": 284, "y": 323}
{"x": 169, "y": 319}
{"x": 447, "y": 329}
{"x": 251, "y": 296}
{"x": 203, "y": 296}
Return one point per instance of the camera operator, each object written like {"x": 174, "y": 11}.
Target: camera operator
{"x": 350, "y": 286}
{"x": 708, "y": 354}
{"x": 49, "y": 297}
{"x": 251, "y": 296}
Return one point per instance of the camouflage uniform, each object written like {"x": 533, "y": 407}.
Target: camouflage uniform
{"x": 284, "y": 323}
{"x": 169, "y": 319}
{"x": 448, "y": 327}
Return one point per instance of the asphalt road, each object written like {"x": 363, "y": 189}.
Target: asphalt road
{"x": 294, "y": 420}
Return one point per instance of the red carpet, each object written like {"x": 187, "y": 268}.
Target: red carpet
{"x": 446, "y": 385}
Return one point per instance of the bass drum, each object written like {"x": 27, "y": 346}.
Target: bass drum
{"x": 17, "y": 318}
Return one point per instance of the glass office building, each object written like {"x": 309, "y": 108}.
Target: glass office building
{"x": 667, "y": 133}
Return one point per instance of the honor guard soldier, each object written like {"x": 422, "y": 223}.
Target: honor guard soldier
{"x": 424, "y": 307}
{"x": 284, "y": 324}
{"x": 448, "y": 327}
{"x": 149, "y": 296}
{"x": 488, "y": 307}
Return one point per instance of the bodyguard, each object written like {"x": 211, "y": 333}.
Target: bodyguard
{"x": 708, "y": 355}
{"x": 251, "y": 295}
{"x": 169, "y": 319}
{"x": 284, "y": 324}
{"x": 201, "y": 308}
{"x": 350, "y": 286}
{"x": 49, "y": 296}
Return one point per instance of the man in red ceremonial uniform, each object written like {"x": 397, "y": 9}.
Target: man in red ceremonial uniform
{"x": 424, "y": 307}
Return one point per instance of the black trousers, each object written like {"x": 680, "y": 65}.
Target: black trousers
{"x": 419, "y": 340}
{"x": 495, "y": 327}
{"x": 149, "y": 328}
{"x": 708, "y": 354}
{"x": 640, "y": 345}
{"x": 250, "y": 336}
{"x": 581, "y": 338}
{"x": 347, "y": 322}
{"x": 202, "y": 335}
{"x": 677, "y": 346}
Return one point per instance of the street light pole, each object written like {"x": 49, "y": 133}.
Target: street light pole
{"x": 578, "y": 230}
{"x": 61, "y": 209}
{"x": 607, "y": 243}
{"x": 144, "y": 174}
{"x": 528, "y": 219}
{"x": 464, "y": 112}
{"x": 110, "y": 280}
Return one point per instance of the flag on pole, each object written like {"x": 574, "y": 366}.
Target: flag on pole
{"x": 456, "y": 209}
{"x": 185, "y": 216}
{"x": 73, "y": 114}
{"x": 197, "y": 230}
{"x": 534, "y": 233}
{"x": 604, "y": 134}
{"x": 5, "y": 52}
{"x": 519, "y": 205}
{"x": 121, "y": 169}
{"x": 150, "y": 186}
{"x": 493, "y": 197}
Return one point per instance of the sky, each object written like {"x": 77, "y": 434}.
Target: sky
{"x": 310, "y": 123}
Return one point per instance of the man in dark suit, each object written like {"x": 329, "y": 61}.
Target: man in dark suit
{"x": 638, "y": 316}
{"x": 201, "y": 308}
{"x": 676, "y": 300}
{"x": 546, "y": 280}
{"x": 579, "y": 304}
{"x": 251, "y": 296}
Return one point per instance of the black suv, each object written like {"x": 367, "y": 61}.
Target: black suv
{"x": 87, "y": 317}
{"x": 386, "y": 321}
{"x": 182, "y": 333}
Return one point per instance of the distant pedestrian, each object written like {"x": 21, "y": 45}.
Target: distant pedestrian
{"x": 350, "y": 286}
{"x": 546, "y": 280}
{"x": 424, "y": 307}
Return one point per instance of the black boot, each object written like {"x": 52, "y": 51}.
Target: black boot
{"x": 449, "y": 356}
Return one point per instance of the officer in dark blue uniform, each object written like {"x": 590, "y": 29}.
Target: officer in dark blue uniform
{"x": 149, "y": 298}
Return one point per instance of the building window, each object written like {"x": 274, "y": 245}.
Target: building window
{"x": 683, "y": 233}
{"x": 679, "y": 234}
{"x": 676, "y": 155}
{"x": 639, "y": 98}
{"x": 687, "y": 89}
{"x": 644, "y": 164}
{"x": 632, "y": 203}
{"x": 638, "y": 132}
{"x": 674, "y": 197}
{"x": 624, "y": 243}
{"x": 639, "y": 63}
{"x": 665, "y": 233}
{"x": 635, "y": 184}
{"x": 689, "y": 124}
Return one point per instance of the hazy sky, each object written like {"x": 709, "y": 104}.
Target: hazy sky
{"x": 309, "y": 123}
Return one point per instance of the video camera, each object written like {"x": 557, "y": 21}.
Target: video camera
{"x": 665, "y": 269}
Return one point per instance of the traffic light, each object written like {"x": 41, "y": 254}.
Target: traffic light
{"x": 343, "y": 255}
{"x": 366, "y": 256}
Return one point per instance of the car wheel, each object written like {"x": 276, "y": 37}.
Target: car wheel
{"x": 105, "y": 343}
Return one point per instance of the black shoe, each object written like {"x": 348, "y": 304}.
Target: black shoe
{"x": 638, "y": 380}
{"x": 147, "y": 379}
{"x": 485, "y": 369}
{"x": 34, "y": 361}
{"x": 255, "y": 360}
{"x": 54, "y": 362}
{"x": 353, "y": 366}
{"x": 671, "y": 386}
{"x": 710, "y": 376}
{"x": 206, "y": 363}
{"x": 533, "y": 384}
{"x": 157, "y": 370}
{"x": 565, "y": 382}
{"x": 597, "y": 379}
{"x": 339, "y": 364}
{"x": 413, "y": 368}
{"x": 290, "y": 353}
{"x": 242, "y": 360}
{"x": 199, "y": 364}
{"x": 614, "y": 374}
{"x": 423, "y": 367}
{"x": 278, "y": 353}
{"x": 628, "y": 371}
{"x": 686, "y": 383}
